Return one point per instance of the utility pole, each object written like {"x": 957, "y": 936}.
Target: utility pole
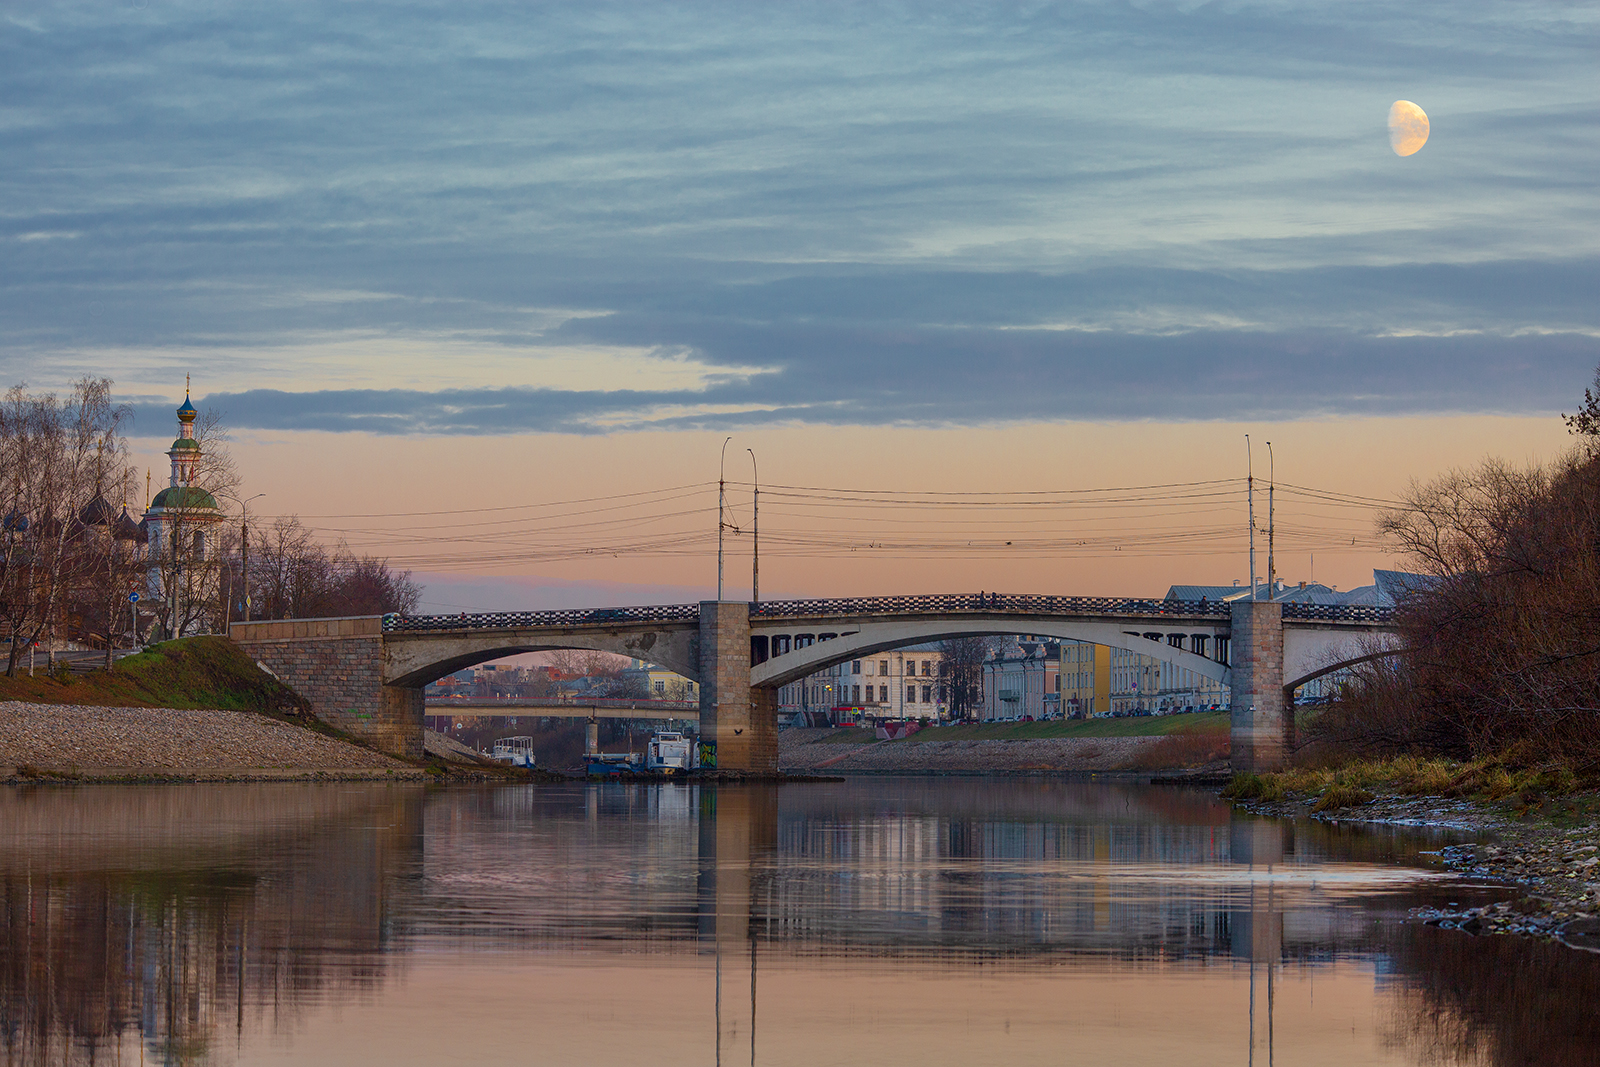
{"x": 722, "y": 497}
{"x": 1250, "y": 496}
{"x": 1272, "y": 485}
{"x": 244, "y": 549}
{"x": 755, "y": 538}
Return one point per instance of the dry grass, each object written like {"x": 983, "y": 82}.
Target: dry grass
{"x": 1359, "y": 781}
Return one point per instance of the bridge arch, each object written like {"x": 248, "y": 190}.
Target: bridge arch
{"x": 881, "y": 636}
{"x": 414, "y": 662}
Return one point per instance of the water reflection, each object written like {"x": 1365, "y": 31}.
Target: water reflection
{"x": 927, "y": 921}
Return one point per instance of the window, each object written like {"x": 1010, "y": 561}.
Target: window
{"x": 1058, "y": 683}
{"x": 856, "y": 697}
{"x": 855, "y": 666}
{"x": 927, "y": 694}
{"x": 911, "y": 694}
{"x": 883, "y": 693}
{"x": 661, "y": 687}
{"x": 927, "y": 669}
{"x": 883, "y": 667}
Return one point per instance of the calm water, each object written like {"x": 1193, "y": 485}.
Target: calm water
{"x": 873, "y": 922}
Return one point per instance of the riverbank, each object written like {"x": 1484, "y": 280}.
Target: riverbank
{"x": 1550, "y": 850}
{"x": 951, "y": 750}
{"x": 95, "y": 743}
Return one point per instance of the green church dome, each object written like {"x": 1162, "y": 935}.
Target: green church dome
{"x": 184, "y": 497}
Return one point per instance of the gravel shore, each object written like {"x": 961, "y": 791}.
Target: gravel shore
{"x": 1557, "y": 867}
{"x": 810, "y": 750}
{"x": 95, "y": 742}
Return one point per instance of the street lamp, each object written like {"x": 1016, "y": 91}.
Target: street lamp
{"x": 244, "y": 550}
{"x": 755, "y": 531}
{"x": 722, "y": 497}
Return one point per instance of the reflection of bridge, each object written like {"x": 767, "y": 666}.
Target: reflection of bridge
{"x": 366, "y": 674}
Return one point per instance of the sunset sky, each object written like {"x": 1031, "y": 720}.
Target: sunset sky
{"x": 483, "y": 288}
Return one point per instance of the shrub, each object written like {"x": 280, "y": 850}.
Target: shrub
{"x": 1339, "y": 796}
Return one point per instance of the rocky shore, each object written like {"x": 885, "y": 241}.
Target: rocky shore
{"x": 70, "y": 741}
{"x": 1557, "y": 867}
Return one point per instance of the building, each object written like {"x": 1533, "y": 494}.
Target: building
{"x": 900, "y": 684}
{"x": 181, "y": 525}
{"x": 657, "y": 683}
{"x": 1022, "y": 680}
{"x": 1085, "y": 672}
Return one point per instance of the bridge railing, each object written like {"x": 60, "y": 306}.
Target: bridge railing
{"x": 623, "y": 703}
{"x": 513, "y": 620}
{"x": 988, "y": 603}
{"x": 1337, "y": 612}
{"x": 946, "y": 604}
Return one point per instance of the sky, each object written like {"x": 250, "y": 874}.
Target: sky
{"x": 433, "y": 260}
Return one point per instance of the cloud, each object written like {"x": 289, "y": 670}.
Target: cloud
{"x": 931, "y": 215}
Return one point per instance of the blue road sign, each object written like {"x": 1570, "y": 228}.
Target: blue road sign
{"x": 133, "y": 598}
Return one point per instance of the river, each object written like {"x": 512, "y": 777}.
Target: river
{"x": 874, "y": 921}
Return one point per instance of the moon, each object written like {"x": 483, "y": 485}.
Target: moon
{"x": 1408, "y": 128}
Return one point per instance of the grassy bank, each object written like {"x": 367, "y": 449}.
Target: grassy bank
{"x": 1150, "y": 726}
{"x": 1552, "y": 790}
{"x": 195, "y": 672}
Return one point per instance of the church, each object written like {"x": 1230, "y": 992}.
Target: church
{"x": 183, "y": 525}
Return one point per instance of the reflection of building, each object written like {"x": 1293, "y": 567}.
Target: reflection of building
{"x": 181, "y": 526}
{"x": 900, "y": 684}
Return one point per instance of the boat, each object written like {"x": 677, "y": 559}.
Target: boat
{"x": 517, "y": 751}
{"x": 671, "y": 752}
{"x": 612, "y": 763}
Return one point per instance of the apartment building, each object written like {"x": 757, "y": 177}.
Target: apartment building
{"x": 900, "y": 684}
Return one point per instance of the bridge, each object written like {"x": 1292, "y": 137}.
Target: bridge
{"x": 537, "y": 708}
{"x": 365, "y": 675}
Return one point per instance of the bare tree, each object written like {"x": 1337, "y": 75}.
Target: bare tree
{"x": 961, "y": 675}
{"x": 58, "y": 457}
{"x": 295, "y": 576}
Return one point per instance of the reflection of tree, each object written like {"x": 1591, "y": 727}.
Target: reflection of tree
{"x": 1494, "y": 1000}
{"x": 176, "y": 949}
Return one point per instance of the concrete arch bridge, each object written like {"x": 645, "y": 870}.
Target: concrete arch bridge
{"x": 365, "y": 675}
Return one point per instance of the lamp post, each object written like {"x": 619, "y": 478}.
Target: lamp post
{"x": 1272, "y": 485}
{"x": 755, "y": 532}
{"x": 1250, "y": 495}
{"x": 244, "y": 548}
{"x": 722, "y": 497}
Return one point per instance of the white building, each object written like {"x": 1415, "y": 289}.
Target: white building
{"x": 901, "y": 684}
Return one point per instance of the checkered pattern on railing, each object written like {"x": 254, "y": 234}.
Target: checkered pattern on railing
{"x": 856, "y": 607}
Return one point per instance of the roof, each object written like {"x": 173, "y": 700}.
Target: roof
{"x": 188, "y": 411}
{"x": 128, "y": 530}
{"x": 185, "y": 444}
{"x": 1395, "y": 586}
{"x": 184, "y": 497}
{"x": 97, "y": 513}
{"x": 1388, "y": 587}
{"x": 1207, "y": 592}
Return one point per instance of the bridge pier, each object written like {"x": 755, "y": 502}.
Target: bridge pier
{"x": 738, "y": 719}
{"x": 1262, "y": 722}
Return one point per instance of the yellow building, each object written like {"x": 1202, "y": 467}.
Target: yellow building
{"x": 1085, "y": 680}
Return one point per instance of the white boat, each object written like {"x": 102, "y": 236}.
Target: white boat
{"x": 517, "y": 751}
{"x": 670, "y": 752}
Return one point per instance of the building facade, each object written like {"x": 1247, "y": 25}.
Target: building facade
{"x": 900, "y": 684}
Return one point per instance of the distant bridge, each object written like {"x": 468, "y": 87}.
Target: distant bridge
{"x": 537, "y": 708}
{"x": 366, "y": 674}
